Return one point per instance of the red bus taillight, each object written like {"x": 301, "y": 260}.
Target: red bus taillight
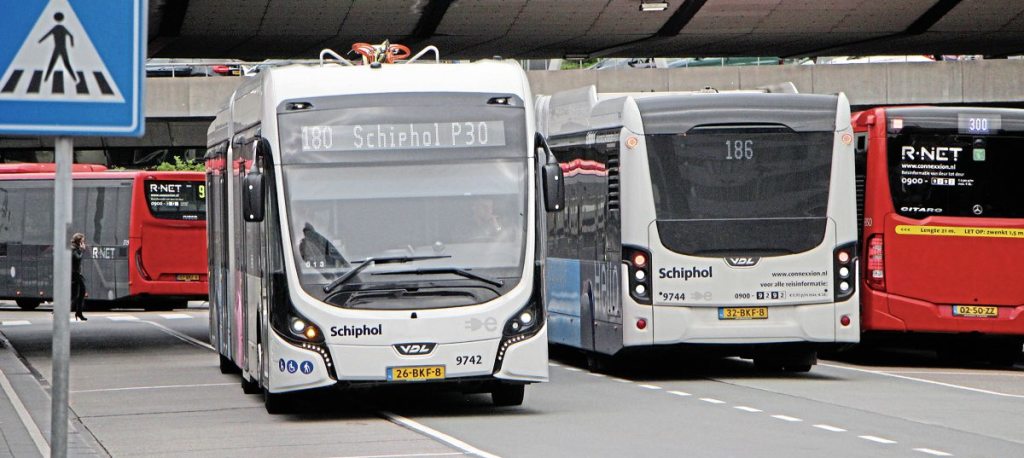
{"x": 876, "y": 262}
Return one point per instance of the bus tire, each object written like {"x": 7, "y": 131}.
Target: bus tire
{"x": 767, "y": 364}
{"x": 797, "y": 368}
{"x": 28, "y": 304}
{"x": 508, "y": 395}
{"x": 277, "y": 403}
{"x": 1004, "y": 354}
{"x": 227, "y": 366}
{"x": 250, "y": 386}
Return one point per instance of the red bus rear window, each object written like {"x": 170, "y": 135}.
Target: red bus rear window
{"x": 176, "y": 199}
{"x": 942, "y": 173}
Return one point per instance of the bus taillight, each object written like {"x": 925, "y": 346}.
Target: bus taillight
{"x": 844, "y": 264}
{"x": 638, "y": 263}
{"x": 876, "y": 262}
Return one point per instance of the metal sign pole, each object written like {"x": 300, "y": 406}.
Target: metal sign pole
{"x": 61, "y": 297}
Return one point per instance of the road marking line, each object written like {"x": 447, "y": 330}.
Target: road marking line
{"x": 181, "y": 336}
{"x": 123, "y": 318}
{"x": 155, "y": 387}
{"x": 573, "y": 369}
{"x": 786, "y": 418}
{"x": 620, "y": 380}
{"x": 23, "y": 415}
{"x": 595, "y": 374}
{"x": 748, "y": 409}
{"x": 880, "y": 440}
{"x": 435, "y": 434}
{"x": 176, "y": 316}
{"x": 554, "y": 365}
{"x": 712, "y": 400}
{"x": 932, "y": 382}
{"x": 830, "y": 428}
{"x": 932, "y": 452}
{"x": 410, "y": 455}
{"x": 995, "y": 373}
{"x": 15, "y": 323}
{"x": 650, "y": 387}
{"x": 680, "y": 393}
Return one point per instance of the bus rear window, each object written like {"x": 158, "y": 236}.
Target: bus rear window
{"x": 176, "y": 199}
{"x": 956, "y": 175}
{"x": 741, "y": 190}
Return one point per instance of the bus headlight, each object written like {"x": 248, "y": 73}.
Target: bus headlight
{"x": 304, "y": 330}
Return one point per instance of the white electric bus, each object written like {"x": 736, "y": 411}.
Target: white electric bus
{"x": 718, "y": 219}
{"x": 377, "y": 224}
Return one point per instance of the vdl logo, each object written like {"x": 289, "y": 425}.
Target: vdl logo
{"x": 415, "y": 349}
{"x": 748, "y": 261}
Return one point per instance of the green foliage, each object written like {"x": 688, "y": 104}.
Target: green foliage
{"x": 181, "y": 165}
{"x": 574, "y": 64}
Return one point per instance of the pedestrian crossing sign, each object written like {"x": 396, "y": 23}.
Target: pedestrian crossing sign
{"x": 72, "y": 67}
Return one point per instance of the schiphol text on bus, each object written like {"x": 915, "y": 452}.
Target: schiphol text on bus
{"x": 398, "y": 206}
{"x": 722, "y": 221}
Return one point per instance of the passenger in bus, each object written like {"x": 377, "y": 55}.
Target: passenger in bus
{"x": 77, "y": 280}
{"x": 319, "y": 252}
{"x": 486, "y": 224}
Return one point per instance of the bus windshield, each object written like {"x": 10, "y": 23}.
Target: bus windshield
{"x": 176, "y": 199}
{"x": 449, "y": 182}
{"x": 956, "y": 175}
{"x": 757, "y": 190}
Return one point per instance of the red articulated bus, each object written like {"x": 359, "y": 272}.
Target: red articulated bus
{"x": 942, "y": 213}
{"x": 146, "y": 235}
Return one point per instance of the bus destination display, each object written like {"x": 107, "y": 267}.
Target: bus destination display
{"x": 978, "y": 124}
{"x": 433, "y": 135}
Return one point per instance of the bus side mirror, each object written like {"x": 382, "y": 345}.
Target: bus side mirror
{"x": 554, "y": 187}
{"x": 252, "y": 197}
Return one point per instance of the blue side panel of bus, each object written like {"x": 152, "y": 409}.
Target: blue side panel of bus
{"x": 563, "y": 291}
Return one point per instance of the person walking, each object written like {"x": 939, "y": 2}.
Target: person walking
{"x": 77, "y": 280}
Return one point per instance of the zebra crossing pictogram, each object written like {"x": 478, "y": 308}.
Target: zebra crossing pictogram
{"x": 57, "y": 62}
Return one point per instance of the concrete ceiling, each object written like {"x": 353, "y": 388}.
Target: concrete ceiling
{"x": 259, "y": 29}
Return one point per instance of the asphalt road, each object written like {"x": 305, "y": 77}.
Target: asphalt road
{"x": 143, "y": 383}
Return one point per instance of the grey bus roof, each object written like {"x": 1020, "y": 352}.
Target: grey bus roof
{"x": 674, "y": 114}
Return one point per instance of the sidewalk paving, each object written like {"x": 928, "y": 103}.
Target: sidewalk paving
{"x": 25, "y": 400}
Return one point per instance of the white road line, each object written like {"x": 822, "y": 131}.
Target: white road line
{"x": 156, "y": 387}
{"x": 931, "y": 382}
{"x": 880, "y": 440}
{"x": 435, "y": 434}
{"x": 620, "y": 380}
{"x": 123, "y": 318}
{"x": 409, "y": 455}
{"x": 181, "y": 336}
{"x": 786, "y": 418}
{"x": 573, "y": 369}
{"x": 23, "y": 415}
{"x": 554, "y": 365}
{"x": 595, "y": 374}
{"x": 971, "y": 373}
{"x": 176, "y": 316}
{"x": 712, "y": 400}
{"x": 680, "y": 393}
{"x": 932, "y": 452}
{"x": 830, "y": 428}
{"x": 15, "y": 323}
{"x": 650, "y": 387}
{"x": 747, "y": 409}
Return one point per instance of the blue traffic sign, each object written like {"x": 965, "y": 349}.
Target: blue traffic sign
{"x": 72, "y": 67}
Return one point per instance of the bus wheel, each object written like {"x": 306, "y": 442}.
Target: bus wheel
{"x": 227, "y": 366}
{"x": 250, "y": 386}
{"x": 506, "y": 395}
{"x": 767, "y": 364}
{"x": 277, "y": 403}
{"x": 1004, "y": 354}
{"x": 28, "y": 304}
{"x": 797, "y": 368}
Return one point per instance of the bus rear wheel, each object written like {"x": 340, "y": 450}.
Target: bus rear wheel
{"x": 250, "y": 386}
{"x": 227, "y": 366}
{"x": 28, "y": 304}
{"x": 1005, "y": 354}
{"x": 507, "y": 395}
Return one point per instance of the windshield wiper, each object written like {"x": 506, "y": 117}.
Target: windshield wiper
{"x": 371, "y": 261}
{"x": 445, "y": 270}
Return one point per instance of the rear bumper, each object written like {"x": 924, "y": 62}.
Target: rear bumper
{"x": 184, "y": 289}
{"x": 787, "y": 323}
{"x": 888, "y": 312}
